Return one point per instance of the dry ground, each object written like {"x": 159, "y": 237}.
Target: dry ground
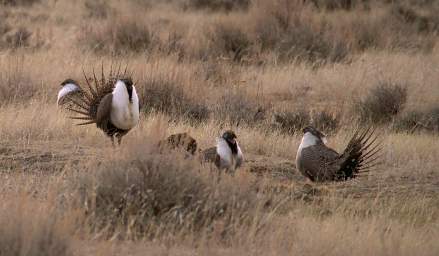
{"x": 270, "y": 209}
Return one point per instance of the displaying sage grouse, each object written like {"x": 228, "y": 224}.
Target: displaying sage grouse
{"x": 320, "y": 163}
{"x": 111, "y": 103}
{"x": 69, "y": 89}
{"x": 227, "y": 154}
{"x": 179, "y": 141}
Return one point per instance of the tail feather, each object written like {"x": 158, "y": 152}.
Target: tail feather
{"x": 102, "y": 74}
{"x": 90, "y": 88}
{"x": 370, "y": 156}
{"x": 86, "y": 123}
{"x": 96, "y": 81}
{"x": 78, "y": 111}
{"x": 361, "y": 154}
{"x": 82, "y": 105}
{"x": 80, "y": 118}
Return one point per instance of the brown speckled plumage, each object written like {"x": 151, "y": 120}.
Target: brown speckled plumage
{"x": 321, "y": 163}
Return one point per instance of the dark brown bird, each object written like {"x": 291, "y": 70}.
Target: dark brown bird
{"x": 112, "y": 104}
{"x": 318, "y": 162}
{"x": 179, "y": 141}
{"x": 226, "y": 155}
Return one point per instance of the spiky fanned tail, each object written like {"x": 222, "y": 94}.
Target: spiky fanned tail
{"x": 85, "y": 107}
{"x": 360, "y": 155}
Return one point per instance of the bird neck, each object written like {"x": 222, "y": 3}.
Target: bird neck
{"x": 224, "y": 149}
{"x": 309, "y": 140}
{"x": 121, "y": 95}
{"x": 233, "y": 147}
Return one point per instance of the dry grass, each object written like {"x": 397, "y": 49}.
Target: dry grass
{"x": 153, "y": 196}
{"x": 31, "y": 228}
{"x": 263, "y": 68}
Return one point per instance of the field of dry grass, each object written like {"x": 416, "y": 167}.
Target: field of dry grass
{"x": 263, "y": 68}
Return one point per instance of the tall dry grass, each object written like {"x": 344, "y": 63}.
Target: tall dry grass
{"x": 32, "y": 228}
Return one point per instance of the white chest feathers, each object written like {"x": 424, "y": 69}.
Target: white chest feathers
{"x": 308, "y": 140}
{"x": 228, "y": 159}
{"x": 124, "y": 114}
{"x": 65, "y": 90}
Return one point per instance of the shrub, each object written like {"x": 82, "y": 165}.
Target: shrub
{"x": 302, "y": 43}
{"x": 291, "y": 122}
{"x": 173, "y": 43}
{"x": 147, "y": 195}
{"x": 236, "y": 107}
{"x": 325, "y": 121}
{"x": 290, "y": 31}
{"x": 19, "y": 2}
{"x": 97, "y": 9}
{"x": 217, "y": 5}
{"x": 163, "y": 95}
{"x": 229, "y": 40}
{"x": 412, "y": 121}
{"x": 410, "y": 17}
{"x": 119, "y": 36}
{"x": 4, "y": 27}
{"x": 382, "y": 103}
{"x": 337, "y": 4}
{"x": 19, "y": 38}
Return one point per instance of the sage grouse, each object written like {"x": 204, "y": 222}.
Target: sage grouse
{"x": 227, "y": 154}
{"x": 179, "y": 141}
{"x": 112, "y": 104}
{"x": 318, "y": 162}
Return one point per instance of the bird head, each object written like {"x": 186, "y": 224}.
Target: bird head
{"x": 68, "y": 81}
{"x": 230, "y": 137}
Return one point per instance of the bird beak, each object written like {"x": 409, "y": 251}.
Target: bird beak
{"x": 233, "y": 141}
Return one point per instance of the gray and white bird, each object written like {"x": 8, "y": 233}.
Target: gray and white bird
{"x": 113, "y": 104}
{"x": 227, "y": 154}
{"x": 318, "y": 162}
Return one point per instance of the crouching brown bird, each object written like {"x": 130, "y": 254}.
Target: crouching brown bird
{"x": 226, "y": 155}
{"x": 181, "y": 141}
{"x": 112, "y": 104}
{"x": 318, "y": 162}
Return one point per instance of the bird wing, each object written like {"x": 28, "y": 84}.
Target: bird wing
{"x": 210, "y": 155}
{"x": 318, "y": 162}
{"x": 104, "y": 111}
